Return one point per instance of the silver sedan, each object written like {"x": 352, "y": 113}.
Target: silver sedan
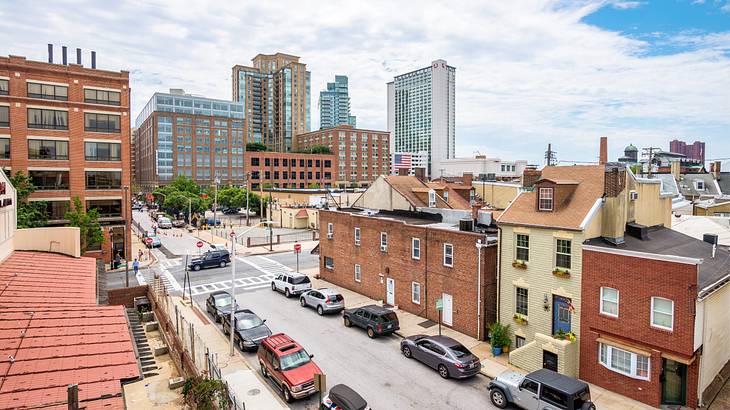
{"x": 442, "y": 353}
{"x": 325, "y": 300}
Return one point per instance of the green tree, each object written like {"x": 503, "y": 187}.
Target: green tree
{"x": 30, "y": 214}
{"x": 319, "y": 149}
{"x": 184, "y": 184}
{"x": 87, "y": 222}
{"x": 313, "y": 186}
{"x": 256, "y": 147}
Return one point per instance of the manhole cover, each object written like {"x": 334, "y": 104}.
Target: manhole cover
{"x": 254, "y": 392}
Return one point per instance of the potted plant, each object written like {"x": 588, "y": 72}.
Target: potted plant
{"x": 520, "y": 319}
{"x": 499, "y": 337}
{"x": 561, "y": 272}
{"x": 519, "y": 264}
{"x": 563, "y": 335}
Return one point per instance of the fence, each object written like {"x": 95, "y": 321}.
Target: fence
{"x": 251, "y": 241}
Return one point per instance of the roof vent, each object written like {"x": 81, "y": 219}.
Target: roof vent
{"x": 637, "y": 231}
{"x": 466, "y": 225}
{"x": 710, "y": 238}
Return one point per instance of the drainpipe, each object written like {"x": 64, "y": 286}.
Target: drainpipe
{"x": 479, "y": 287}
{"x": 499, "y": 271}
{"x": 425, "y": 255}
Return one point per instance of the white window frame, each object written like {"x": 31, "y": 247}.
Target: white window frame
{"x": 332, "y": 266}
{"x": 330, "y": 230}
{"x": 450, "y": 265}
{"x": 517, "y": 246}
{"x": 569, "y": 254}
{"x": 634, "y": 362}
{"x": 652, "y": 314}
{"x": 358, "y": 273}
{"x": 415, "y": 285}
{"x": 357, "y": 236}
{"x": 415, "y": 241}
{"x": 384, "y": 241}
{"x": 527, "y": 302}
{"x": 700, "y": 185}
{"x": 603, "y": 299}
{"x": 550, "y": 197}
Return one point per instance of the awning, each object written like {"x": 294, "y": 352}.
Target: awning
{"x": 302, "y": 214}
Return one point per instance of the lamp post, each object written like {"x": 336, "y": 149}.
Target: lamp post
{"x": 235, "y": 237}
{"x": 126, "y": 239}
{"x": 216, "y": 181}
{"x": 248, "y": 210}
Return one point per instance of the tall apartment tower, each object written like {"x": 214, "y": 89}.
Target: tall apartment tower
{"x": 334, "y": 104}
{"x": 421, "y": 113}
{"x": 695, "y": 151}
{"x": 276, "y": 96}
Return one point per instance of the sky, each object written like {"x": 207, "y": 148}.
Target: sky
{"x": 528, "y": 72}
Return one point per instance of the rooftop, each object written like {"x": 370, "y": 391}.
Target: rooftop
{"x": 407, "y": 186}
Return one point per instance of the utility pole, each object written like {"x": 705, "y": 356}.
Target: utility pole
{"x": 550, "y": 157}
{"x": 649, "y": 153}
{"x": 271, "y": 227}
{"x": 127, "y": 226}
{"x": 216, "y": 181}
{"x": 248, "y": 174}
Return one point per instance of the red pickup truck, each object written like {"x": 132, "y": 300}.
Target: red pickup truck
{"x": 288, "y": 365}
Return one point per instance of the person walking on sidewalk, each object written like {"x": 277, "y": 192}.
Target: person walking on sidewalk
{"x": 135, "y": 265}
{"x": 140, "y": 254}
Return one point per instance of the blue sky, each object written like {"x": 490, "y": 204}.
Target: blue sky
{"x": 528, "y": 72}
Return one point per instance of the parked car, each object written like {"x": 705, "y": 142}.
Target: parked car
{"x": 156, "y": 242}
{"x": 342, "y": 397}
{"x": 229, "y": 211}
{"x": 178, "y": 223}
{"x": 288, "y": 365}
{"x": 291, "y": 283}
{"x": 136, "y": 206}
{"x": 376, "y": 320}
{"x": 324, "y": 300}
{"x": 210, "y": 259}
{"x": 164, "y": 222}
{"x": 250, "y": 330}
{"x": 219, "y": 246}
{"x": 442, "y": 353}
{"x": 219, "y": 304}
{"x": 244, "y": 212}
{"x": 209, "y": 221}
{"x": 541, "y": 389}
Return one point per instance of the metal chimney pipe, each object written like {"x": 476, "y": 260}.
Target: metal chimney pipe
{"x": 64, "y": 55}
{"x": 50, "y": 53}
{"x": 78, "y": 56}
{"x": 93, "y": 59}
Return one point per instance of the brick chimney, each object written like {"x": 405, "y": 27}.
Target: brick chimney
{"x": 614, "y": 180}
{"x": 467, "y": 178}
{"x": 420, "y": 174}
{"x": 529, "y": 176}
{"x": 403, "y": 172}
{"x": 603, "y": 151}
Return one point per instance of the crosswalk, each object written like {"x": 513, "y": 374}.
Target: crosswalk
{"x": 247, "y": 283}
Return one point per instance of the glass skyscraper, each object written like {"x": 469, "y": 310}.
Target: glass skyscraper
{"x": 334, "y": 104}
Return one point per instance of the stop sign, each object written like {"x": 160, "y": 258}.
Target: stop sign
{"x": 232, "y": 234}
{"x": 297, "y": 247}
{"x": 199, "y": 244}
{"x": 148, "y": 240}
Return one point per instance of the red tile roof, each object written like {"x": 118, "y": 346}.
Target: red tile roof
{"x": 53, "y": 334}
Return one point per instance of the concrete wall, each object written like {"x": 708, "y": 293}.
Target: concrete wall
{"x": 286, "y": 218}
{"x": 7, "y": 216}
{"x": 63, "y": 240}
{"x": 125, "y": 296}
{"x": 715, "y": 351}
{"x": 498, "y": 194}
{"x": 382, "y": 196}
{"x": 651, "y": 208}
{"x": 710, "y": 211}
{"x": 529, "y": 357}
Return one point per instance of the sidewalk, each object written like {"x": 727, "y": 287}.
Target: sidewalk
{"x": 242, "y": 250}
{"x": 241, "y": 378}
{"x": 147, "y": 257}
{"x": 491, "y": 366}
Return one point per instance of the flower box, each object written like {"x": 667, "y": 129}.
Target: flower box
{"x": 569, "y": 336}
{"x": 561, "y": 273}
{"x": 519, "y": 264}
{"x": 521, "y": 320}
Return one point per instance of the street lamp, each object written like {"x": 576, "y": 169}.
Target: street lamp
{"x": 234, "y": 237}
{"x": 248, "y": 174}
{"x": 216, "y": 181}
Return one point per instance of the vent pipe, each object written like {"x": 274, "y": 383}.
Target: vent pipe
{"x": 93, "y": 59}
{"x": 64, "y": 55}
{"x": 78, "y": 56}
{"x": 50, "y": 53}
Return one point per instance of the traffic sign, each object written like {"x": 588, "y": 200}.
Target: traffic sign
{"x": 199, "y": 244}
{"x": 232, "y": 234}
{"x": 439, "y": 304}
{"x": 297, "y": 247}
{"x": 148, "y": 240}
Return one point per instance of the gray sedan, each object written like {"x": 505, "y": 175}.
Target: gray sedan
{"x": 442, "y": 353}
{"x": 324, "y": 300}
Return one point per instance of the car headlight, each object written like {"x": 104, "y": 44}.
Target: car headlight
{"x": 297, "y": 388}
{"x": 249, "y": 343}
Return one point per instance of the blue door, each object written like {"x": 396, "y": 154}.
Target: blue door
{"x": 561, "y": 314}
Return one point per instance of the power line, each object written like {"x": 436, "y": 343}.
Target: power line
{"x": 550, "y": 156}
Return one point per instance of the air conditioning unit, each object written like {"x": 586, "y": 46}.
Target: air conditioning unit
{"x": 383, "y": 248}
{"x": 633, "y": 195}
{"x": 330, "y": 235}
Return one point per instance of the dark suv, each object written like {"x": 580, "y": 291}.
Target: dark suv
{"x": 376, "y": 320}
{"x": 211, "y": 259}
{"x": 219, "y": 304}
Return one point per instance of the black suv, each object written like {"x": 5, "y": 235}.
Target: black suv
{"x": 250, "y": 329}
{"x": 219, "y": 304}
{"x": 376, "y": 320}
{"x": 211, "y": 259}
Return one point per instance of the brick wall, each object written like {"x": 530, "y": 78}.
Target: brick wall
{"x": 125, "y": 296}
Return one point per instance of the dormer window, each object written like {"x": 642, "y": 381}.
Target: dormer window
{"x": 545, "y": 202}
{"x": 700, "y": 185}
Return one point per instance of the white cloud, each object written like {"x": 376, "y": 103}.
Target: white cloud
{"x": 527, "y": 72}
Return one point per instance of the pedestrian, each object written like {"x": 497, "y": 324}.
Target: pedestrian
{"x": 140, "y": 253}
{"x": 135, "y": 265}
{"x": 117, "y": 260}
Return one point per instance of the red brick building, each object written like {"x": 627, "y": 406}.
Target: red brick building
{"x": 289, "y": 170}
{"x": 645, "y": 334}
{"x": 67, "y": 126}
{"x": 410, "y": 260}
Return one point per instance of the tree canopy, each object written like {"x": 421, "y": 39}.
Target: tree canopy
{"x": 256, "y": 147}
{"x": 30, "y": 214}
{"x": 87, "y": 222}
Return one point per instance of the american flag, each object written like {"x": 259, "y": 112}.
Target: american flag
{"x": 402, "y": 161}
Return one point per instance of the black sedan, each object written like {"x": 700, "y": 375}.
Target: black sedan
{"x": 250, "y": 329}
{"x": 219, "y": 304}
{"x": 442, "y": 353}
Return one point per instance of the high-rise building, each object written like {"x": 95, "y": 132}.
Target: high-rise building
{"x": 67, "y": 127}
{"x": 276, "y": 95}
{"x": 421, "y": 113}
{"x": 334, "y": 104}
{"x": 180, "y": 134}
{"x": 695, "y": 151}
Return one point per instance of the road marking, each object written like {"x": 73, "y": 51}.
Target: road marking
{"x": 252, "y": 282}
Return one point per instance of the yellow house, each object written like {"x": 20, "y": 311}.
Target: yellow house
{"x": 540, "y": 261}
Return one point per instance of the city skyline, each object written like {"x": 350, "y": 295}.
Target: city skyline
{"x": 528, "y": 74}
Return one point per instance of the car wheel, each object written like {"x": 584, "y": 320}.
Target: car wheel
{"x": 347, "y": 322}
{"x": 407, "y": 352}
{"x": 240, "y": 345}
{"x": 287, "y": 394}
{"x": 196, "y": 268}
{"x": 320, "y": 311}
{"x": 273, "y": 286}
{"x": 223, "y": 264}
{"x": 263, "y": 370}
{"x": 443, "y": 371}
{"x": 498, "y": 399}
{"x": 371, "y": 333}
{"x": 287, "y": 293}
{"x": 226, "y": 332}
{"x": 302, "y": 302}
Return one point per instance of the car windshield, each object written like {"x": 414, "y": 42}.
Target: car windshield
{"x": 294, "y": 360}
{"x": 223, "y": 300}
{"x": 248, "y": 322}
{"x": 459, "y": 351}
{"x": 298, "y": 280}
{"x": 581, "y": 398}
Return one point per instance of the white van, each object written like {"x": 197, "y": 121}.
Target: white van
{"x": 164, "y": 223}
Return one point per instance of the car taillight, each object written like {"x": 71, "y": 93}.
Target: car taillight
{"x": 460, "y": 365}
{"x": 327, "y": 300}
{"x": 380, "y": 327}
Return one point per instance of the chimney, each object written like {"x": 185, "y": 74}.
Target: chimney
{"x": 78, "y": 56}
{"x": 64, "y": 55}
{"x": 529, "y": 176}
{"x": 715, "y": 169}
{"x": 93, "y": 59}
{"x": 676, "y": 168}
{"x": 420, "y": 174}
{"x": 403, "y": 172}
{"x": 603, "y": 154}
{"x": 467, "y": 178}
{"x": 614, "y": 180}
{"x": 50, "y": 53}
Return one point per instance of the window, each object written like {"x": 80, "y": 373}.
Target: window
{"x": 107, "y": 207}
{"x": 448, "y": 254}
{"x": 358, "y": 276}
{"x": 101, "y": 122}
{"x": 47, "y": 149}
{"x": 554, "y": 397}
{"x": 562, "y": 254}
{"x": 267, "y": 162}
{"x": 103, "y": 151}
{"x": 522, "y": 248}
{"x": 254, "y": 162}
{"x": 383, "y": 241}
{"x": 49, "y": 180}
{"x": 545, "y": 202}
{"x": 4, "y": 116}
{"x": 415, "y": 248}
{"x": 56, "y": 210}
{"x": 329, "y": 263}
{"x": 621, "y": 361}
{"x": 48, "y": 91}
{"x": 527, "y": 384}
{"x": 700, "y": 185}
{"x": 519, "y": 341}
{"x": 330, "y": 230}
{"x": 416, "y": 293}
{"x": 4, "y": 87}
{"x": 662, "y": 313}
{"x": 102, "y": 97}
{"x": 521, "y": 301}
{"x": 4, "y": 148}
{"x": 47, "y": 119}
{"x": 103, "y": 179}
{"x": 357, "y": 236}
{"x": 609, "y": 301}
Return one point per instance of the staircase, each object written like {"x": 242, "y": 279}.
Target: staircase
{"x": 146, "y": 358}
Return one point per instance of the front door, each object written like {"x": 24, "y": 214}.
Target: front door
{"x": 561, "y": 314}
{"x": 448, "y": 315}
{"x": 549, "y": 360}
{"x": 390, "y": 294}
{"x": 674, "y": 377}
